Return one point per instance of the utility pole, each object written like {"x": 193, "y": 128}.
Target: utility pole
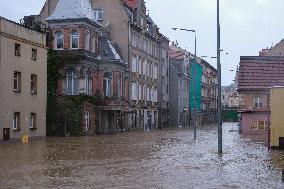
{"x": 220, "y": 147}
{"x": 195, "y": 88}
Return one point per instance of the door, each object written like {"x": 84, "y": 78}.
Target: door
{"x": 149, "y": 120}
{"x": 6, "y": 134}
{"x": 281, "y": 142}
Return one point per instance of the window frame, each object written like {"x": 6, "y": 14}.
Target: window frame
{"x": 107, "y": 84}
{"x": 17, "y": 49}
{"x": 34, "y": 54}
{"x": 33, "y": 88}
{"x": 98, "y": 12}
{"x": 72, "y": 34}
{"x": 18, "y": 80}
{"x": 16, "y": 121}
{"x": 33, "y": 125}
{"x": 57, "y": 38}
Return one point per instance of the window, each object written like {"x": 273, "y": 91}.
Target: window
{"x": 107, "y": 84}
{"x": 17, "y": 49}
{"x": 94, "y": 44}
{"x": 74, "y": 40}
{"x": 258, "y": 102}
{"x": 87, "y": 40}
{"x": 134, "y": 91}
{"x": 119, "y": 88}
{"x": 16, "y": 121}
{"x": 88, "y": 85}
{"x": 33, "y": 121}
{"x": 260, "y": 125}
{"x": 17, "y": 81}
{"x": 71, "y": 83}
{"x": 99, "y": 14}
{"x": 59, "y": 40}
{"x": 134, "y": 64}
{"x": 34, "y": 54}
{"x": 33, "y": 84}
{"x": 87, "y": 121}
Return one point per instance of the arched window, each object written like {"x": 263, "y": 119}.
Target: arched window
{"x": 94, "y": 43}
{"x": 107, "y": 84}
{"x": 74, "y": 40}
{"x": 87, "y": 40}
{"x": 59, "y": 40}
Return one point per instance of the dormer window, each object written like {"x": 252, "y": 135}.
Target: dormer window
{"x": 74, "y": 40}
{"x": 99, "y": 14}
{"x": 59, "y": 40}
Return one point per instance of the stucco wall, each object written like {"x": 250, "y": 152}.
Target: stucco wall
{"x": 247, "y": 120}
{"x": 23, "y": 102}
{"x": 277, "y": 118}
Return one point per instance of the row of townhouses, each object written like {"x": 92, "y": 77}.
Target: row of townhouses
{"x": 107, "y": 49}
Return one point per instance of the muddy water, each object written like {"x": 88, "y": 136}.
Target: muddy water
{"x": 156, "y": 159}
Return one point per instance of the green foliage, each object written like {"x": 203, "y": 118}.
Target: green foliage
{"x": 230, "y": 115}
{"x": 52, "y": 78}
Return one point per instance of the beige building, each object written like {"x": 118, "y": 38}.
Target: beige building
{"x": 277, "y": 118}
{"x": 23, "y": 81}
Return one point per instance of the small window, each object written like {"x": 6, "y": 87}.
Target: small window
{"x": 34, "y": 54}
{"x": 107, "y": 84}
{"x": 74, "y": 40}
{"x": 17, "y": 81}
{"x": 17, "y": 49}
{"x": 33, "y": 84}
{"x": 59, "y": 40}
{"x": 258, "y": 102}
{"x": 99, "y": 14}
{"x": 16, "y": 121}
{"x": 33, "y": 121}
{"x": 87, "y": 121}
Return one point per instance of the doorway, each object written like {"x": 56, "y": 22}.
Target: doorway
{"x": 6, "y": 134}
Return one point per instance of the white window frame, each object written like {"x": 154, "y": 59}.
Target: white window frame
{"x": 33, "y": 120}
{"x": 72, "y": 34}
{"x": 87, "y": 121}
{"x": 108, "y": 91}
{"x": 18, "y": 82}
{"x": 73, "y": 77}
{"x": 16, "y": 120}
{"x": 56, "y": 40}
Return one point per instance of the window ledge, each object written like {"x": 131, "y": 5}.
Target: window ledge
{"x": 17, "y": 91}
{"x": 16, "y": 130}
{"x": 33, "y": 129}
{"x": 33, "y": 93}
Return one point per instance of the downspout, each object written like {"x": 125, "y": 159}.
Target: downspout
{"x": 160, "y": 84}
{"x": 0, "y": 41}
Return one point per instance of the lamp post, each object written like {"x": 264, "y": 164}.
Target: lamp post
{"x": 194, "y": 80}
{"x": 220, "y": 138}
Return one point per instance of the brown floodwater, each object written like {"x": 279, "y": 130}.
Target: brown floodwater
{"x": 156, "y": 159}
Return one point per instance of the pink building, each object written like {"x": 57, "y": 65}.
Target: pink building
{"x": 255, "y": 78}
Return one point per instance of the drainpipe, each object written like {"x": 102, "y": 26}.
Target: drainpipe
{"x": 161, "y": 88}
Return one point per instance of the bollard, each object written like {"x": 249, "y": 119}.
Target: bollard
{"x": 283, "y": 175}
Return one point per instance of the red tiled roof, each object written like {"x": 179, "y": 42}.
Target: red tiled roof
{"x": 258, "y": 73}
{"x": 131, "y": 3}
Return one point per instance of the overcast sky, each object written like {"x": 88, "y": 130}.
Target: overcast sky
{"x": 246, "y": 26}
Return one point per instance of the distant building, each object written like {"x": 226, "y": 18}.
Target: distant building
{"x": 255, "y": 78}
{"x": 179, "y": 86}
{"x": 277, "y": 118}
{"x": 23, "y": 81}
{"x": 208, "y": 113}
{"x": 164, "y": 83}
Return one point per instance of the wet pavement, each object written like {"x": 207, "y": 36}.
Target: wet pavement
{"x": 157, "y": 159}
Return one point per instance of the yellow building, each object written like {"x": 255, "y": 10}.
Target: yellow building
{"x": 277, "y": 117}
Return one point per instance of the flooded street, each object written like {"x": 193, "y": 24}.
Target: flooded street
{"x": 156, "y": 159}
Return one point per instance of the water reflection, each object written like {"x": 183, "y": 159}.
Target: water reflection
{"x": 158, "y": 159}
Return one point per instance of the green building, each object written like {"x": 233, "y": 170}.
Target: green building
{"x": 195, "y": 66}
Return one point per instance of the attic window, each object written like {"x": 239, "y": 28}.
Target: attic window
{"x": 99, "y": 14}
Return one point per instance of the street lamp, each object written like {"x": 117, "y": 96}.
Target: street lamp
{"x": 220, "y": 138}
{"x": 194, "y": 80}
